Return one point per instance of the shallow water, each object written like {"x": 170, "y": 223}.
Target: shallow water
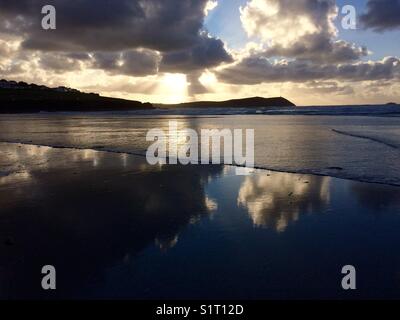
{"x": 115, "y": 227}
{"x": 360, "y": 147}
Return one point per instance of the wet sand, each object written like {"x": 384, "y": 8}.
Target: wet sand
{"x": 116, "y": 227}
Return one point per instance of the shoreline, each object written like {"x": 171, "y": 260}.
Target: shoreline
{"x": 256, "y": 167}
{"x": 377, "y": 110}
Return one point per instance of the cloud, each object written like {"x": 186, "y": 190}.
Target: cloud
{"x": 299, "y": 43}
{"x": 285, "y": 22}
{"x": 139, "y": 30}
{"x": 195, "y": 85}
{"x": 302, "y": 29}
{"x": 58, "y": 62}
{"x": 258, "y": 69}
{"x": 144, "y": 86}
{"x": 133, "y": 63}
{"x": 208, "y": 53}
{"x": 109, "y": 25}
{"x": 327, "y": 87}
{"x": 382, "y": 15}
{"x": 130, "y": 46}
{"x": 6, "y": 49}
{"x": 211, "y": 5}
{"x": 317, "y": 48}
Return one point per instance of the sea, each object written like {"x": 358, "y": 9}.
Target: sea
{"x": 353, "y": 142}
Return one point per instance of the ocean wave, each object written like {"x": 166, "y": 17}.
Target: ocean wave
{"x": 368, "y": 137}
{"x": 349, "y": 110}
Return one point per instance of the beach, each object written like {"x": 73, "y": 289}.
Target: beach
{"x": 116, "y": 227}
{"x": 199, "y": 158}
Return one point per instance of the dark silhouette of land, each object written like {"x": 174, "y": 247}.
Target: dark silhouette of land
{"x": 256, "y": 102}
{"x": 20, "y": 97}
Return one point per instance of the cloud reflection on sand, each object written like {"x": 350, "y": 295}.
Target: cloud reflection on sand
{"x": 101, "y": 208}
{"x": 18, "y": 160}
{"x": 276, "y": 200}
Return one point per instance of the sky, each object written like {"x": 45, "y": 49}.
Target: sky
{"x": 171, "y": 51}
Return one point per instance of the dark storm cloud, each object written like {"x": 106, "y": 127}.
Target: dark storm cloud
{"x": 318, "y": 48}
{"x": 258, "y": 69}
{"x": 171, "y": 27}
{"x": 58, "y": 63}
{"x": 105, "y": 25}
{"x": 209, "y": 52}
{"x": 106, "y": 60}
{"x": 82, "y": 56}
{"x": 382, "y": 15}
{"x": 132, "y": 63}
{"x": 139, "y": 63}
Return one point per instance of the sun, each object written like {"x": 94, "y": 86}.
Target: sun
{"x": 175, "y": 87}
{"x": 208, "y": 79}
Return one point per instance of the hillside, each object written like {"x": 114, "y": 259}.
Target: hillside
{"x": 20, "y": 97}
{"x": 256, "y": 102}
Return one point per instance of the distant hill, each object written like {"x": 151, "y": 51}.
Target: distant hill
{"x": 256, "y": 102}
{"x": 20, "y": 97}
